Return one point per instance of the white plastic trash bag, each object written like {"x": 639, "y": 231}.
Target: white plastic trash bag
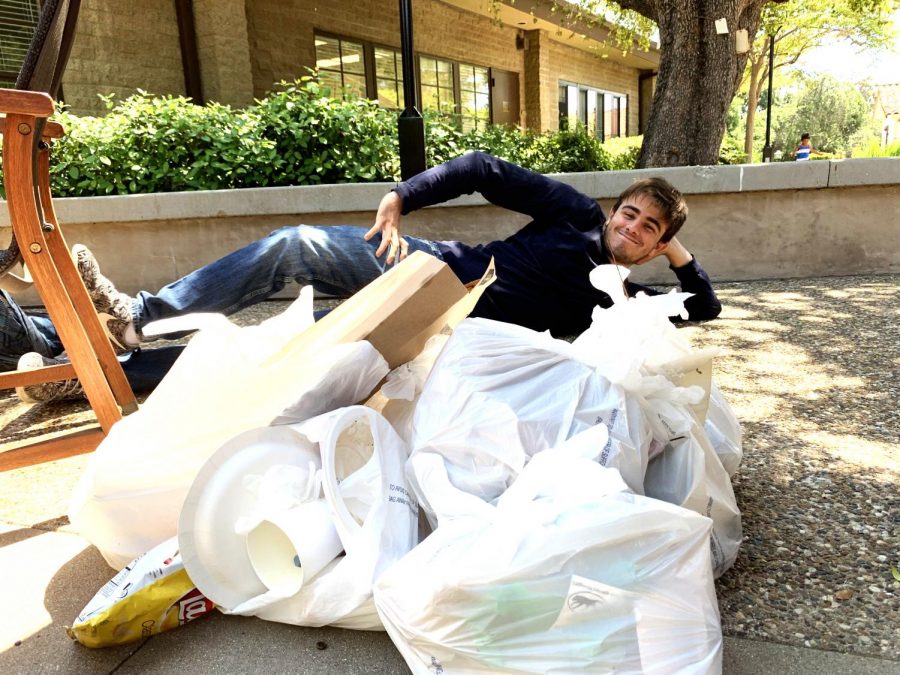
{"x": 499, "y": 393}
{"x": 228, "y": 380}
{"x": 399, "y": 394}
{"x": 724, "y": 431}
{"x": 375, "y": 518}
{"x": 569, "y": 573}
{"x": 689, "y": 473}
{"x": 634, "y": 344}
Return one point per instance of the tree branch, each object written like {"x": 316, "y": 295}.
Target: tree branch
{"x": 645, "y": 8}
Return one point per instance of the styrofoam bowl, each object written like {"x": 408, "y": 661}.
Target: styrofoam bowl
{"x": 215, "y": 556}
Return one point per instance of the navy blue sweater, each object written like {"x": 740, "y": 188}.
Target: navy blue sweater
{"x": 542, "y": 270}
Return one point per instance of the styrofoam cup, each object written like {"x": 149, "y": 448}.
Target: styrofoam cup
{"x": 288, "y": 549}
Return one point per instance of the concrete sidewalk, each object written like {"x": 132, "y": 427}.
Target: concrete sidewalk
{"x": 51, "y": 574}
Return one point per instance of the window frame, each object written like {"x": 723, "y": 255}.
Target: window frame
{"x": 602, "y": 95}
{"x": 454, "y": 78}
{"x": 371, "y": 77}
{"x": 457, "y": 88}
{"x": 459, "y": 65}
{"x": 369, "y": 74}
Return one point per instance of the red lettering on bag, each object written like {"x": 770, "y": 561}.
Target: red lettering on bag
{"x": 193, "y": 605}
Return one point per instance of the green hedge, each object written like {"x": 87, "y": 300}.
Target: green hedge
{"x": 295, "y": 136}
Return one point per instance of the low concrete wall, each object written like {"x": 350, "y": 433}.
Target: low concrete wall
{"x": 804, "y": 219}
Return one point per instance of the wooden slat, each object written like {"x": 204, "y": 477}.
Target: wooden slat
{"x": 18, "y": 172}
{"x": 54, "y": 130}
{"x": 15, "y": 101}
{"x": 16, "y": 456}
{"x": 26, "y": 378}
{"x": 59, "y": 251}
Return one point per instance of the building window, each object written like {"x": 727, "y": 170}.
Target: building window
{"x": 341, "y": 64}
{"x": 603, "y": 114}
{"x": 388, "y": 77}
{"x": 438, "y": 87}
{"x": 361, "y": 68}
{"x": 474, "y": 97}
{"x": 18, "y": 19}
{"x": 461, "y": 90}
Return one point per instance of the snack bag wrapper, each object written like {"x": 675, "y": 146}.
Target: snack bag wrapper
{"x": 152, "y": 594}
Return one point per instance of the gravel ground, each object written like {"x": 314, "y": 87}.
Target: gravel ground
{"x": 810, "y": 367}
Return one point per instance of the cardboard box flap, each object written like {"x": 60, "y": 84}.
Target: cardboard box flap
{"x": 400, "y": 310}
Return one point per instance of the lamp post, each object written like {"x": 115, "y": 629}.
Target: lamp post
{"x": 767, "y": 149}
{"x": 410, "y": 125}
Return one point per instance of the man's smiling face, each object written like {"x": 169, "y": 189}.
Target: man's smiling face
{"x": 634, "y": 231}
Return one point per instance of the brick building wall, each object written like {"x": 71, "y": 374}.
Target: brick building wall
{"x": 540, "y": 102}
{"x": 246, "y": 46}
{"x": 578, "y": 66}
{"x": 281, "y": 34}
{"x": 224, "y": 51}
{"x": 120, "y": 46}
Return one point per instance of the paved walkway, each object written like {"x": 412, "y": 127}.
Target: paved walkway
{"x": 810, "y": 368}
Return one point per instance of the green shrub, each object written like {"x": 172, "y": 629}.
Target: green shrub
{"x": 623, "y": 152}
{"x": 317, "y": 139}
{"x": 732, "y": 151}
{"x": 158, "y": 144}
{"x": 567, "y": 151}
{"x": 297, "y": 135}
{"x": 443, "y": 139}
{"x": 874, "y": 149}
{"x": 513, "y": 144}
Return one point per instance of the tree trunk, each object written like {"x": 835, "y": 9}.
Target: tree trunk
{"x": 699, "y": 73}
{"x": 757, "y": 72}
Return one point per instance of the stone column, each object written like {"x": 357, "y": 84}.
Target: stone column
{"x": 223, "y": 45}
{"x": 540, "y": 92}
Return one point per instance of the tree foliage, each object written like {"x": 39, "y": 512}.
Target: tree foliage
{"x": 833, "y": 112}
{"x": 699, "y": 71}
{"x": 801, "y": 25}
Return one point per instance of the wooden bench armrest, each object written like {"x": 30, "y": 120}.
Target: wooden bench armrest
{"x": 54, "y": 130}
{"x": 17, "y": 102}
{"x": 51, "y": 129}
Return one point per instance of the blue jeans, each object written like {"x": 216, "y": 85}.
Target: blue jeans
{"x": 333, "y": 259}
{"x": 21, "y": 332}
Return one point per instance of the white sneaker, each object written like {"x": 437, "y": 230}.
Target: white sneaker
{"x": 63, "y": 390}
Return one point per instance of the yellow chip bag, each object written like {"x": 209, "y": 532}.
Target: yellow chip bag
{"x": 151, "y": 595}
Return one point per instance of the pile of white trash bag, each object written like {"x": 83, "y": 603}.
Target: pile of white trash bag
{"x": 576, "y": 497}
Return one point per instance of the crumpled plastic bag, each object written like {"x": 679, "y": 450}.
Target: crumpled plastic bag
{"x": 633, "y": 342}
{"x": 376, "y": 517}
{"x": 399, "y": 395}
{"x": 568, "y": 573}
{"x": 724, "y": 431}
{"x": 229, "y": 379}
{"x": 499, "y": 394}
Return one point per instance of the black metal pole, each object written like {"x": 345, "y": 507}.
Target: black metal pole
{"x": 767, "y": 150}
{"x": 410, "y": 125}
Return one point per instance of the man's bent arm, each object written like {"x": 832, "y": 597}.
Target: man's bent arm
{"x": 703, "y": 305}
{"x": 501, "y": 183}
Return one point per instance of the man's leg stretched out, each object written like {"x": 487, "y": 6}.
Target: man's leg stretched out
{"x": 333, "y": 259}
{"x": 336, "y": 260}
